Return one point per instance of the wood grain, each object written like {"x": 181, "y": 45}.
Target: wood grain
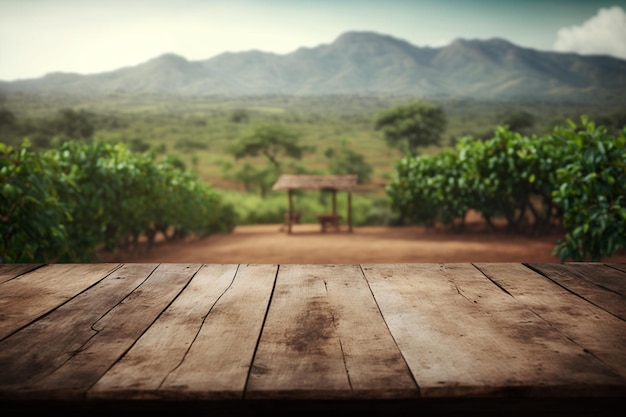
{"x": 324, "y": 339}
{"x": 10, "y": 271}
{"x": 598, "y": 332}
{"x": 203, "y": 344}
{"x": 229, "y": 338}
{"x": 463, "y": 335}
{"x": 43, "y": 290}
{"x": 114, "y": 333}
{"x": 38, "y": 350}
{"x": 596, "y": 283}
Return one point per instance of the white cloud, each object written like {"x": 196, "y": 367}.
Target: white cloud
{"x": 604, "y": 33}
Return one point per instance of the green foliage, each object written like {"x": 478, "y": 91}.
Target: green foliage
{"x": 410, "y": 126}
{"x": 520, "y": 121}
{"x": 613, "y": 122}
{"x": 347, "y": 161}
{"x": 258, "y": 180}
{"x": 62, "y": 204}
{"x": 240, "y": 116}
{"x": 187, "y": 145}
{"x": 591, "y": 191}
{"x": 205, "y": 129}
{"x": 9, "y": 129}
{"x": 429, "y": 189}
{"x": 511, "y": 174}
{"x": 32, "y": 224}
{"x": 272, "y": 141}
{"x": 159, "y": 122}
{"x": 575, "y": 177}
{"x": 73, "y": 124}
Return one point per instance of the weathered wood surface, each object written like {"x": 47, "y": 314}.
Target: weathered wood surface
{"x": 105, "y": 333}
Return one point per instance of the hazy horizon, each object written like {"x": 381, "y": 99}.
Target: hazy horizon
{"x": 92, "y": 37}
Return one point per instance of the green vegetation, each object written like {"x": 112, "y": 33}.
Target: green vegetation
{"x": 220, "y": 142}
{"x": 61, "y": 205}
{"x": 574, "y": 177}
{"x": 411, "y": 126}
{"x": 274, "y": 142}
{"x": 591, "y": 191}
{"x": 346, "y": 161}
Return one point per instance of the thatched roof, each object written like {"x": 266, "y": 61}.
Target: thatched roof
{"x": 316, "y": 182}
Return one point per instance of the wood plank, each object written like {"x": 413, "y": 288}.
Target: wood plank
{"x": 324, "y": 338}
{"x": 202, "y": 345}
{"x": 618, "y": 266}
{"x": 598, "y": 333}
{"x": 600, "y": 274}
{"x": 462, "y": 335}
{"x": 115, "y": 332}
{"x": 10, "y": 271}
{"x": 31, "y": 295}
{"x": 598, "y": 284}
{"x": 39, "y": 349}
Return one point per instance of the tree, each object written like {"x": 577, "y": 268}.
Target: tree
{"x": 518, "y": 121}
{"x": 412, "y": 125}
{"x": 9, "y": 128}
{"x": 272, "y": 141}
{"x": 239, "y": 116}
{"x": 74, "y": 124}
{"x": 347, "y": 161}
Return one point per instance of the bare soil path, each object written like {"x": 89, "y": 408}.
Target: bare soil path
{"x": 308, "y": 245}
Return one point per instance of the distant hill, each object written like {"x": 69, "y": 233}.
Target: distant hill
{"x": 361, "y": 63}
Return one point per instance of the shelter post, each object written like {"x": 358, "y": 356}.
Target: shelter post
{"x": 349, "y": 211}
{"x": 289, "y": 194}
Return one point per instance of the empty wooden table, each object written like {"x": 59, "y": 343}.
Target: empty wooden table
{"x": 393, "y": 339}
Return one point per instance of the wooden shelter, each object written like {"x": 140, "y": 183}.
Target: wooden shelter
{"x": 333, "y": 183}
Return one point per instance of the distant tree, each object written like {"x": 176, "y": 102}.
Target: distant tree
{"x": 347, "y": 161}
{"x": 138, "y": 145}
{"x": 614, "y": 123}
{"x": 271, "y": 141}
{"x": 519, "y": 121}
{"x": 175, "y": 161}
{"x": 74, "y": 124}
{"x": 7, "y": 118}
{"x": 9, "y": 129}
{"x": 412, "y": 125}
{"x": 240, "y": 116}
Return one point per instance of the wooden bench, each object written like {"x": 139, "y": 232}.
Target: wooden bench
{"x": 328, "y": 220}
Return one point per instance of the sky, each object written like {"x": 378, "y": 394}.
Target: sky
{"x": 91, "y": 36}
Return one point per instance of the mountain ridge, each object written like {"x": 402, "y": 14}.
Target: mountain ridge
{"x": 359, "y": 63}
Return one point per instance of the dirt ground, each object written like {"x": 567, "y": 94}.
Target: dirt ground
{"x": 308, "y": 245}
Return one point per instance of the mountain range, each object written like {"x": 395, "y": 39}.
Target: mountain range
{"x": 360, "y": 63}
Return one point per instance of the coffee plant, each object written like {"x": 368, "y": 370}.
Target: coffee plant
{"x": 574, "y": 177}
{"x": 63, "y": 204}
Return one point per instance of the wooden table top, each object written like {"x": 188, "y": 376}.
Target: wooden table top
{"x": 233, "y": 335}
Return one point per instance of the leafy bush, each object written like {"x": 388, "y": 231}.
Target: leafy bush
{"x": 32, "y": 224}
{"x": 62, "y": 204}
{"x": 591, "y": 191}
{"x": 510, "y": 175}
{"x": 575, "y": 177}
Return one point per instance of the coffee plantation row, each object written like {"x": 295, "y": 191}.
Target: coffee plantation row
{"x": 574, "y": 178}
{"x": 64, "y": 204}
